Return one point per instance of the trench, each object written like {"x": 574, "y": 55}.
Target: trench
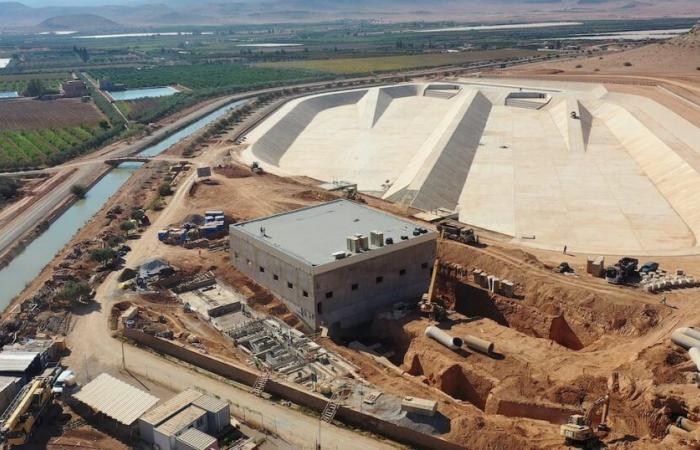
{"x": 29, "y": 263}
{"x": 472, "y": 301}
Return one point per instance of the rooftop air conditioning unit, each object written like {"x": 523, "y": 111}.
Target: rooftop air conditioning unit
{"x": 353, "y": 244}
{"x": 340, "y": 255}
{"x": 376, "y": 238}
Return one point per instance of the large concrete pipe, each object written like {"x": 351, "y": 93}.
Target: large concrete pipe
{"x": 687, "y": 425}
{"x": 694, "y": 353}
{"x": 445, "y": 339}
{"x": 676, "y": 431}
{"x": 680, "y": 338}
{"x": 479, "y": 345}
{"x": 692, "y": 332}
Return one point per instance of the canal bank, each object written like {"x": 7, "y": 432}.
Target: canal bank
{"x": 57, "y": 230}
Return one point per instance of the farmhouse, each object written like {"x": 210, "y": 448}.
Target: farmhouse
{"x": 337, "y": 263}
{"x": 73, "y": 88}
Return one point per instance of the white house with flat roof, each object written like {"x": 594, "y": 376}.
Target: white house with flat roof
{"x": 337, "y": 263}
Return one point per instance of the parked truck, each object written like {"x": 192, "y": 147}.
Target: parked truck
{"x": 622, "y": 272}
{"x": 457, "y": 231}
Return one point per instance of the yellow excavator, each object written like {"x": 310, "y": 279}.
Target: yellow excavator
{"x": 428, "y": 305}
{"x": 18, "y": 421}
{"x": 579, "y": 429}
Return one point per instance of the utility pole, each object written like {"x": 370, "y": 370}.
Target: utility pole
{"x": 123, "y": 358}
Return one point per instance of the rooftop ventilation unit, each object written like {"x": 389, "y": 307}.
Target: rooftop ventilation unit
{"x": 376, "y": 238}
{"x": 340, "y": 255}
{"x": 364, "y": 242}
{"x": 354, "y": 245}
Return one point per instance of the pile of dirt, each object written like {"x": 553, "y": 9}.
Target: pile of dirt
{"x": 233, "y": 171}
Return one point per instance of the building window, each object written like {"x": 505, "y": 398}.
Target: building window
{"x": 262, "y": 269}
{"x": 304, "y": 293}
{"x": 290, "y": 285}
{"x": 379, "y": 280}
{"x": 275, "y": 277}
{"x": 319, "y": 308}
{"x": 402, "y": 272}
{"x": 329, "y": 294}
{"x": 355, "y": 286}
{"x": 424, "y": 266}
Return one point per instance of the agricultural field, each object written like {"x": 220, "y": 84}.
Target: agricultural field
{"x": 400, "y": 62}
{"x": 34, "y": 148}
{"x": 135, "y": 109}
{"x": 203, "y": 76}
{"x": 51, "y": 81}
{"x": 33, "y": 114}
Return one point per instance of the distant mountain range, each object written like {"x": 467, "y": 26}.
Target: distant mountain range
{"x": 88, "y": 16}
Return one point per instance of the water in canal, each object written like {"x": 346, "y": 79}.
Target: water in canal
{"x": 27, "y": 265}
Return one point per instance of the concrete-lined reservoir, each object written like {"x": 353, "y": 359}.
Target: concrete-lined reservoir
{"x": 549, "y": 164}
{"x": 31, "y": 261}
{"x": 135, "y": 94}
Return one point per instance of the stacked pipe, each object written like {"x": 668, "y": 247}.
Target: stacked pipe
{"x": 689, "y": 339}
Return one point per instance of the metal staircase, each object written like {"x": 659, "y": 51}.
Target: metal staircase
{"x": 331, "y": 407}
{"x": 260, "y": 383}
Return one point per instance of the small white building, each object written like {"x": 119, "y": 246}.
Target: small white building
{"x": 169, "y": 425}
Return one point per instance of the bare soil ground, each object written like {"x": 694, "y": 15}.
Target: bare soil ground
{"x": 32, "y": 114}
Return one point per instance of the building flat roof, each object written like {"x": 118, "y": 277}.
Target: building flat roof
{"x": 314, "y": 233}
{"x": 170, "y": 407}
{"x": 199, "y": 440}
{"x": 116, "y": 399}
{"x": 209, "y": 403}
{"x": 181, "y": 420}
{"x": 17, "y": 361}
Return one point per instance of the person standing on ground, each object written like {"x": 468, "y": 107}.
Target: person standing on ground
{"x": 564, "y": 252}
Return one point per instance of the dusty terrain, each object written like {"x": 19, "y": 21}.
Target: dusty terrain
{"x": 561, "y": 342}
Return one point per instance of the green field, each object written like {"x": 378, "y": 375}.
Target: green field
{"x": 203, "y": 76}
{"x": 51, "y": 81}
{"x": 32, "y": 148}
{"x": 389, "y": 63}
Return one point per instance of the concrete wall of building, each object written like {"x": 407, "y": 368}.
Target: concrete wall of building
{"x": 146, "y": 431}
{"x": 286, "y": 278}
{"x": 404, "y": 269}
{"x": 352, "y": 294}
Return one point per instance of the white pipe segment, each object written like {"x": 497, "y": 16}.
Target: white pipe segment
{"x": 680, "y": 338}
{"x": 445, "y": 339}
{"x": 694, "y": 354}
{"x": 479, "y": 345}
{"x": 692, "y": 332}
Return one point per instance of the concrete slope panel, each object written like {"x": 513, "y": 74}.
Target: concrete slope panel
{"x": 446, "y": 179}
{"x": 675, "y": 179}
{"x": 571, "y": 129}
{"x": 407, "y": 185}
{"x": 271, "y": 146}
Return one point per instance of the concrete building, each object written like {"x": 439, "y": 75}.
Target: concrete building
{"x": 337, "y": 263}
{"x": 169, "y": 425}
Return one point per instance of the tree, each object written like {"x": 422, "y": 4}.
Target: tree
{"x": 127, "y": 226}
{"x": 74, "y": 291}
{"x": 78, "y": 190}
{"x": 164, "y": 189}
{"x": 104, "y": 124}
{"x": 34, "y": 88}
{"x": 8, "y": 188}
{"x": 103, "y": 255}
{"x": 137, "y": 214}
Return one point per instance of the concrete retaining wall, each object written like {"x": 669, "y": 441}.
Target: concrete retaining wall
{"x": 247, "y": 376}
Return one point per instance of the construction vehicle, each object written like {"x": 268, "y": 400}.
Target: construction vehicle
{"x": 428, "y": 304}
{"x": 256, "y": 168}
{"x": 622, "y": 272}
{"x": 18, "y": 421}
{"x": 579, "y": 428}
{"x": 456, "y": 231}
